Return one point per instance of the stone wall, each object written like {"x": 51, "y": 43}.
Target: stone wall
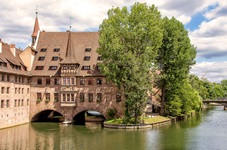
{"x": 14, "y": 101}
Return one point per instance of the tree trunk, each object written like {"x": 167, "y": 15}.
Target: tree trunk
{"x": 162, "y": 111}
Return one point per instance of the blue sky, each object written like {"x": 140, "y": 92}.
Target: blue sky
{"x": 205, "y": 20}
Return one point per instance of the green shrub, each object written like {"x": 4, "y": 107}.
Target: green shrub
{"x": 111, "y": 113}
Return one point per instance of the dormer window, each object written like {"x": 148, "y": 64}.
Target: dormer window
{"x": 39, "y": 67}
{"x": 53, "y": 68}
{"x": 86, "y": 58}
{"x": 85, "y": 67}
{"x": 99, "y": 58}
{"x": 41, "y": 58}
{"x": 56, "y": 49}
{"x": 87, "y": 49}
{"x": 54, "y": 58}
{"x": 43, "y": 50}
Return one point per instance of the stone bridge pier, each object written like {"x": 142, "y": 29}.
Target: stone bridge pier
{"x": 225, "y": 106}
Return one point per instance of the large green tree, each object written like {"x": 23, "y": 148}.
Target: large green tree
{"x": 128, "y": 43}
{"x": 175, "y": 57}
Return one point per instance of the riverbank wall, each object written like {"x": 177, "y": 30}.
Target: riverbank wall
{"x": 137, "y": 126}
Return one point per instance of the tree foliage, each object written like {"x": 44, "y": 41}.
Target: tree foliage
{"x": 208, "y": 90}
{"x": 175, "y": 57}
{"x": 128, "y": 43}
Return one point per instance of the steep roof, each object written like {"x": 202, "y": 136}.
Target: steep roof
{"x": 70, "y": 53}
{"x": 14, "y": 65}
{"x": 36, "y": 28}
{"x": 71, "y": 47}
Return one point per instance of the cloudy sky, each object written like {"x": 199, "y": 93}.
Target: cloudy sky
{"x": 206, "y": 21}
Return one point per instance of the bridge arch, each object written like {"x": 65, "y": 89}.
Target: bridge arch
{"x": 99, "y": 109}
{"x": 47, "y": 115}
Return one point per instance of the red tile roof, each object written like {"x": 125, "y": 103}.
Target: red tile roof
{"x": 14, "y": 65}
{"x": 79, "y": 42}
{"x": 36, "y": 28}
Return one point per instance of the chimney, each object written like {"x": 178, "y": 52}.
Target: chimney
{"x": 0, "y": 46}
{"x": 13, "y": 49}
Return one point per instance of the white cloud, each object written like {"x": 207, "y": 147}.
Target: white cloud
{"x": 213, "y": 71}
{"x": 17, "y": 20}
{"x": 210, "y": 38}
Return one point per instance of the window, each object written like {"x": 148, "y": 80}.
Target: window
{"x": 7, "y": 90}
{"x": 15, "y": 90}
{"x": 15, "y": 103}
{"x": 15, "y": 78}
{"x": 2, "y": 90}
{"x": 90, "y": 97}
{"x": 55, "y": 97}
{"x": 47, "y": 81}
{"x": 39, "y": 67}
{"x": 90, "y": 82}
{"x": 54, "y": 58}
{"x": 68, "y": 97}
{"x": 18, "y": 104}
{"x": 85, "y": 67}
{"x": 86, "y": 58}
{"x": 47, "y": 95}
{"x": 56, "y": 49}
{"x": 72, "y": 81}
{"x": 72, "y": 97}
{"x": 64, "y": 81}
{"x": 99, "y": 81}
{"x": 98, "y": 67}
{"x": 22, "y": 79}
{"x": 43, "y": 50}
{"x": 8, "y": 77}
{"x": 7, "y": 104}
{"x": 56, "y": 81}
{"x": 68, "y": 81}
{"x": 64, "y": 97}
{"x": 39, "y": 80}
{"x": 22, "y": 90}
{"x": 27, "y": 90}
{"x": 27, "y": 102}
{"x": 81, "y": 97}
{"x": 18, "y": 90}
{"x": 99, "y": 58}
{"x": 22, "y": 102}
{"x": 2, "y": 103}
{"x": 53, "y": 68}
{"x": 87, "y": 49}
{"x": 118, "y": 97}
{"x": 41, "y": 58}
{"x": 39, "y": 96}
{"x": 99, "y": 97}
{"x": 3, "y": 77}
{"x": 82, "y": 80}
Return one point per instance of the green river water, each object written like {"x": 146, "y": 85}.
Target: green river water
{"x": 207, "y": 131}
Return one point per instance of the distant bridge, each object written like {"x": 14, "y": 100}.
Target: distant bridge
{"x": 223, "y": 102}
{"x": 215, "y": 101}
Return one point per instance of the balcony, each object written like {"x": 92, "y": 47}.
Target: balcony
{"x": 68, "y": 104}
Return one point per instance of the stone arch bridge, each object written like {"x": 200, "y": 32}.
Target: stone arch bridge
{"x": 70, "y": 111}
{"x": 221, "y": 102}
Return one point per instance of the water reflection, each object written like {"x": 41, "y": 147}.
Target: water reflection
{"x": 14, "y": 138}
{"x": 205, "y": 131}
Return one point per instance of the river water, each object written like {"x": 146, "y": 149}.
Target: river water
{"x": 207, "y": 131}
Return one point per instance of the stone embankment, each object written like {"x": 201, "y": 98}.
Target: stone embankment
{"x": 137, "y": 126}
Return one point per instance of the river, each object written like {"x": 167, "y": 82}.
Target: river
{"x": 207, "y": 131}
